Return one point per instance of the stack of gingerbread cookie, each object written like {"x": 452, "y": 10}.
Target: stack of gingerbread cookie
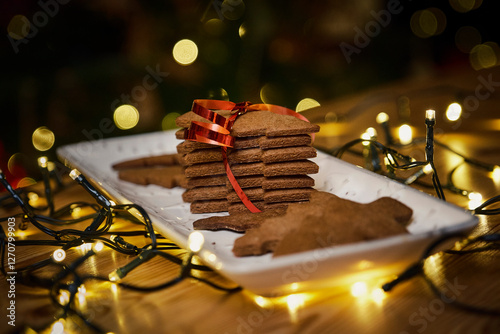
{"x": 269, "y": 160}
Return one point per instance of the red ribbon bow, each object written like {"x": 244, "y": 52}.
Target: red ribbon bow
{"x": 218, "y": 131}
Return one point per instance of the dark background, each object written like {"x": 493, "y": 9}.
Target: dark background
{"x": 68, "y": 75}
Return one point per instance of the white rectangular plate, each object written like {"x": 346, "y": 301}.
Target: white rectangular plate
{"x": 266, "y": 275}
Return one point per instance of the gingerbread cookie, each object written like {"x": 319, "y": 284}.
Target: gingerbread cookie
{"x": 168, "y": 177}
{"x": 158, "y": 160}
{"x": 238, "y": 222}
{"x": 324, "y": 221}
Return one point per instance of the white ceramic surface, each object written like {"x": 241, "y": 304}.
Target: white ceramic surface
{"x": 263, "y": 274}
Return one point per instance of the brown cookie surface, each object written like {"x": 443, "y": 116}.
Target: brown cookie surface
{"x": 158, "y": 160}
{"x": 168, "y": 177}
{"x": 239, "y": 222}
{"x": 324, "y": 221}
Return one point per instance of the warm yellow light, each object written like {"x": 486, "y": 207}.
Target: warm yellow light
{"x": 371, "y": 132}
{"x": 19, "y": 27}
{"x": 242, "y": 30}
{"x": 185, "y": 52}
{"x": 405, "y": 134}
{"x": 114, "y": 277}
{"x": 294, "y": 302}
{"x": 382, "y": 117}
{"x": 126, "y": 116}
{"x": 359, "y": 289}
{"x": 430, "y": 114}
{"x": 378, "y": 295}
{"x": 195, "y": 241}
{"x": 74, "y": 174}
{"x": 58, "y": 255}
{"x": 63, "y": 297}
{"x": 85, "y": 247}
{"x": 427, "y": 169}
{"x": 484, "y": 55}
{"x": 82, "y": 289}
{"x": 366, "y": 137}
{"x": 32, "y": 197}
{"x": 475, "y": 199}
{"x": 43, "y": 139}
{"x": 168, "y": 122}
{"x": 495, "y": 174}
{"x": 214, "y": 26}
{"x": 212, "y": 258}
{"x": 270, "y": 93}
{"x": 428, "y": 22}
{"x": 262, "y": 302}
{"x": 307, "y": 103}
{"x": 57, "y": 327}
{"x": 42, "y": 162}
{"x": 98, "y": 246}
{"x": 454, "y": 111}
{"x": 463, "y": 6}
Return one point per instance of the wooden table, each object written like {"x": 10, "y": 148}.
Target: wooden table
{"x": 193, "y": 307}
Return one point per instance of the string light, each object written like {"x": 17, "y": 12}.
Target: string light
{"x": 405, "y": 134}
{"x": 121, "y": 272}
{"x": 195, "y": 241}
{"x": 359, "y": 289}
{"x": 58, "y": 255}
{"x": 430, "y": 121}
{"x": 453, "y": 112}
{"x": 475, "y": 200}
{"x": 426, "y": 170}
{"x": 383, "y": 120}
{"x": 43, "y": 164}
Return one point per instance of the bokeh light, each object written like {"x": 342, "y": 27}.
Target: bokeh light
{"x": 43, "y": 139}
{"x": 19, "y": 27}
{"x": 126, "y": 117}
{"x": 405, "y": 134}
{"x": 271, "y": 93}
{"x": 359, "y": 289}
{"x": 484, "y": 55}
{"x": 25, "y": 182}
{"x": 242, "y": 30}
{"x": 463, "y": 6}
{"x": 218, "y": 94}
{"x": 233, "y": 9}
{"x": 168, "y": 122}
{"x": 195, "y": 241}
{"x": 454, "y": 111}
{"x": 214, "y": 27}
{"x": 428, "y": 22}
{"x": 466, "y": 38}
{"x": 185, "y": 52}
{"x": 306, "y": 103}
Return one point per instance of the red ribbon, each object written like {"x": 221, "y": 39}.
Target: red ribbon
{"x": 218, "y": 131}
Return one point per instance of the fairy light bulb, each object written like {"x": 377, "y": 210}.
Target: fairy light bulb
{"x": 43, "y": 162}
{"x": 405, "y": 134}
{"x": 366, "y": 137}
{"x": 495, "y": 174}
{"x": 371, "y": 132}
{"x": 359, "y": 289}
{"x": 475, "y": 200}
{"x": 98, "y": 246}
{"x": 454, "y": 111}
{"x": 430, "y": 114}
{"x": 58, "y": 255}
{"x": 195, "y": 241}
{"x": 74, "y": 174}
{"x": 382, "y": 117}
